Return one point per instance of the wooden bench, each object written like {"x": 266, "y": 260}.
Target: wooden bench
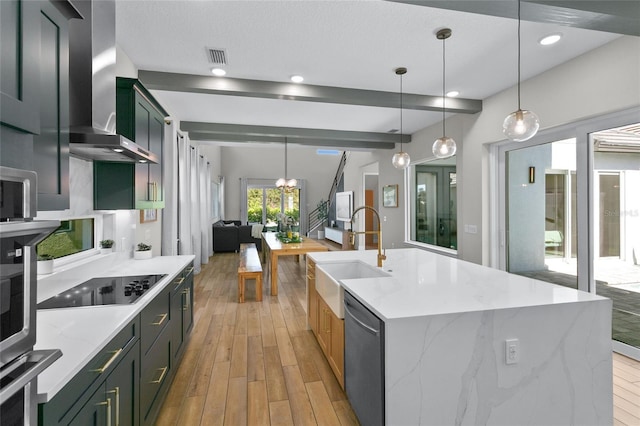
{"x": 249, "y": 267}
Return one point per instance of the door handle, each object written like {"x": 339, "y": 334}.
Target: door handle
{"x": 162, "y": 374}
{"x": 116, "y": 390}
{"x": 360, "y": 323}
{"x": 108, "y": 404}
{"x": 108, "y": 363}
{"x": 163, "y": 317}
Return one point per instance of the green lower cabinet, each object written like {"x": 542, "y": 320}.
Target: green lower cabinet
{"x": 182, "y": 311}
{"x": 88, "y": 398}
{"x": 96, "y": 411}
{"x": 157, "y": 373}
{"x": 116, "y": 400}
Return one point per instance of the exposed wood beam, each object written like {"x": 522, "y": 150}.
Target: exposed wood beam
{"x": 316, "y": 137}
{"x": 155, "y": 80}
{"x": 613, "y": 16}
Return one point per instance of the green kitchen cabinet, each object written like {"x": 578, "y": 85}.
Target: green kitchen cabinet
{"x": 141, "y": 118}
{"x": 133, "y": 186}
{"x": 182, "y": 311}
{"x": 155, "y": 348}
{"x": 90, "y": 397}
{"x": 20, "y": 53}
{"x": 51, "y": 145}
{"x": 116, "y": 400}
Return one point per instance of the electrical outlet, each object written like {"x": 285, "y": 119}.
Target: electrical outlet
{"x": 512, "y": 351}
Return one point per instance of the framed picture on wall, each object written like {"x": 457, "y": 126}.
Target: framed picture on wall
{"x": 148, "y": 215}
{"x": 390, "y": 196}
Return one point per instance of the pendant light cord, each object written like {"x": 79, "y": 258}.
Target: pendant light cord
{"x": 519, "y": 55}
{"x": 401, "y": 150}
{"x": 443, "y": 85}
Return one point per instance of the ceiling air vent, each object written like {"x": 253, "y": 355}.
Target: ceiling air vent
{"x": 217, "y": 56}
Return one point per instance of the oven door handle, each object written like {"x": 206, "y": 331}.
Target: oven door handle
{"x": 42, "y": 358}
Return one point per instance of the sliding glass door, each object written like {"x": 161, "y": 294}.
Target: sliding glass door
{"x": 616, "y": 227}
{"x": 568, "y": 212}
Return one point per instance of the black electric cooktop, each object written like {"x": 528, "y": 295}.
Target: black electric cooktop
{"x": 103, "y": 291}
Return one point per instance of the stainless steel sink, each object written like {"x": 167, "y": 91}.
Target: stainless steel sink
{"x": 330, "y": 275}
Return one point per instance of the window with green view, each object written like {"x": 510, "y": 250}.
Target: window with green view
{"x": 73, "y": 236}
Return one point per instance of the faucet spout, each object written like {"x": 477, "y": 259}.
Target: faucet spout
{"x": 352, "y": 233}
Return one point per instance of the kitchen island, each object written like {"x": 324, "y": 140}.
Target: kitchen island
{"x": 94, "y": 340}
{"x": 446, "y": 357}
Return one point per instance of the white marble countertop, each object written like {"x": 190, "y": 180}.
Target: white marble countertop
{"x": 423, "y": 283}
{"x": 81, "y": 332}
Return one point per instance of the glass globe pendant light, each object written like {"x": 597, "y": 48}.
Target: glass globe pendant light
{"x": 401, "y": 159}
{"x": 520, "y": 125}
{"x": 444, "y": 147}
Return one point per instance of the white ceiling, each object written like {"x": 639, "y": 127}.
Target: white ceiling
{"x": 351, "y": 44}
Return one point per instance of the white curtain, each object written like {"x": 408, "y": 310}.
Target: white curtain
{"x": 204, "y": 198}
{"x": 170, "y": 184}
{"x": 194, "y": 208}
{"x": 185, "y": 245}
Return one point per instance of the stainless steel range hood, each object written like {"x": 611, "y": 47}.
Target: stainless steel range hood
{"x": 92, "y": 88}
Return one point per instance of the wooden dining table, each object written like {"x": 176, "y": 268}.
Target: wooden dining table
{"x": 273, "y": 248}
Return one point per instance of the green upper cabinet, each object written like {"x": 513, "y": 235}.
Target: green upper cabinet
{"x": 20, "y": 53}
{"x": 140, "y": 118}
{"x": 51, "y": 145}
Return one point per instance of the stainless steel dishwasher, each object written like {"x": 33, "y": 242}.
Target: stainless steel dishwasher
{"x": 364, "y": 361}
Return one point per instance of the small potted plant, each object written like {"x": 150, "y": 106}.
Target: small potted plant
{"x": 323, "y": 214}
{"x": 106, "y": 246}
{"x": 143, "y": 251}
{"x": 45, "y": 264}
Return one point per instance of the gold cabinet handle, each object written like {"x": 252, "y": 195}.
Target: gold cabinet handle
{"x": 164, "y": 371}
{"x": 116, "y": 390}
{"x": 108, "y": 363}
{"x": 162, "y": 318}
{"x": 108, "y": 404}
{"x": 180, "y": 281}
{"x": 187, "y": 303}
{"x": 190, "y": 270}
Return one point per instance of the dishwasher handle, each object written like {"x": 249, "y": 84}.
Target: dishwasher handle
{"x": 360, "y": 323}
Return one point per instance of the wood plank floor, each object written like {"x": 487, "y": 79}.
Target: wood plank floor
{"x": 256, "y": 364}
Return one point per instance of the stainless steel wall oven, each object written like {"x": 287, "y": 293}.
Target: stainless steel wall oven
{"x": 19, "y": 234}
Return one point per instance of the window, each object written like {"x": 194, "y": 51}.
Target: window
{"x": 433, "y": 203}
{"x": 262, "y": 202}
{"x": 72, "y": 237}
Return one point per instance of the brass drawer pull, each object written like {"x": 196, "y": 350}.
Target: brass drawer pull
{"x": 116, "y": 390}
{"x": 108, "y": 363}
{"x": 163, "y": 317}
{"x": 190, "y": 270}
{"x": 180, "y": 281}
{"x": 187, "y": 304}
{"x": 108, "y": 404}
{"x": 164, "y": 371}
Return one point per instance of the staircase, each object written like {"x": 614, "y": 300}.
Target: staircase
{"x": 314, "y": 222}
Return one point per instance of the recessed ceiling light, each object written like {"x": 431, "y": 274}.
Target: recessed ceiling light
{"x": 550, "y": 39}
{"x": 452, "y": 94}
{"x": 219, "y": 72}
{"x": 297, "y": 78}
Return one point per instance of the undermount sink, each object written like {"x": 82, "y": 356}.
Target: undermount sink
{"x": 329, "y": 275}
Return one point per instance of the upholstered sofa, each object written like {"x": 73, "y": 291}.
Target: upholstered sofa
{"x": 229, "y": 234}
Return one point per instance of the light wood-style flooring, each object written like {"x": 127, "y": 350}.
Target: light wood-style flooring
{"x": 256, "y": 364}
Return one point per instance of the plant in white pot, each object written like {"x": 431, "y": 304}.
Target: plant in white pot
{"x": 106, "y": 246}
{"x": 45, "y": 264}
{"x": 323, "y": 214}
{"x": 143, "y": 251}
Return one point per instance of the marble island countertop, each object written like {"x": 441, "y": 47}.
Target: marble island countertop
{"x": 448, "y": 325}
{"x": 81, "y": 332}
{"x": 424, "y": 283}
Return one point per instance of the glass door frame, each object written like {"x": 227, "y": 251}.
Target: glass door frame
{"x": 585, "y": 205}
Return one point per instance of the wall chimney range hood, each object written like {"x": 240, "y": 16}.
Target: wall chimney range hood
{"x": 92, "y": 87}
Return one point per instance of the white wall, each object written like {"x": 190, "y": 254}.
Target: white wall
{"x": 268, "y": 163}
{"x": 604, "y": 80}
